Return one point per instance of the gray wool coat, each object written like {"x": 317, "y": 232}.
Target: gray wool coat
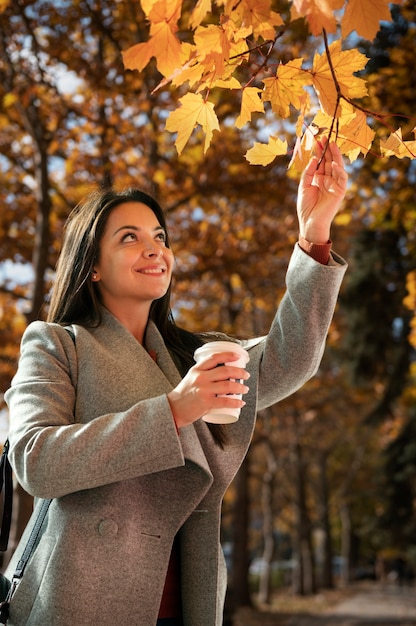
{"x": 91, "y": 427}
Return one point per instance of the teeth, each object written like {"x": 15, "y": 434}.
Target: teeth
{"x": 155, "y": 271}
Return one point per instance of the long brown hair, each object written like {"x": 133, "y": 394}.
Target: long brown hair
{"x": 75, "y": 297}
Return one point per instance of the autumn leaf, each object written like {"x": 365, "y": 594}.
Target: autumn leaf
{"x": 199, "y": 12}
{"x": 163, "y": 43}
{"x": 257, "y": 15}
{"x": 395, "y": 146}
{"x": 364, "y": 16}
{"x": 194, "y": 110}
{"x": 250, "y": 103}
{"x": 287, "y": 87}
{"x": 352, "y": 131}
{"x": 344, "y": 63}
{"x": 319, "y": 14}
{"x": 265, "y": 153}
{"x": 356, "y": 136}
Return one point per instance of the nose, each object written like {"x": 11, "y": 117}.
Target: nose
{"x": 152, "y": 250}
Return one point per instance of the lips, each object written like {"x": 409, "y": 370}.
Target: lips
{"x": 152, "y": 270}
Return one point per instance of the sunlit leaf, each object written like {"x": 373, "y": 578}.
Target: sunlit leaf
{"x": 287, "y": 87}
{"x": 194, "y": 110}
{"x": 344, "y": 63}
{"x": 265, "y": 153}
{"x": 364, "y": 17}
{"x": 395, "y": 146}
{"x": 250, "y": 103}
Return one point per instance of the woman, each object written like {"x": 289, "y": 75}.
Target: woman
{"x": 105, "y": 414}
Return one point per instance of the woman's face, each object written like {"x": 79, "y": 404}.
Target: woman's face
{"x": 134, "y": 265}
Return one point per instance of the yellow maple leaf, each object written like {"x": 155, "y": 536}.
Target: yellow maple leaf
{"x": 255, "y": 15}
{"x": 250, "y": 103}
{"x": 364, "y": 17}
{"x": 287, "y": 87}
{"x": 319, "y": 14}
{"x": 164, "y": 11}
{"x": 147, "y": 6}
{"x": 395, "y": 146}
{"x": 194, "y": 110}
{"x": 344, "y": 63}
{"x": 265, "y": 153}
{"x": 229, "y": 83}
{"x": 199, "y": 11}
{"x": 163, "y": 44}
{"x": 353, "y": 133}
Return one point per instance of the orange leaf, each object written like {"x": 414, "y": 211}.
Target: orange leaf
{"x": 318, "y": 13}
{"x": 194, "y": 110}
{"x": 395, "y": 146}
{"x": 258, "y": 15}
{"x": 265, "y": 153}
{"x": 163, "y": 43}
{"x": 287, "y": 87}
{"x": 250, "y": 103}
{"x": 364, "y": 17}
{"x": 353, "y": 133}
{"x": 358, "y": 135}
{"x": 345, "y": 63}
{"x": 199, "y": 11}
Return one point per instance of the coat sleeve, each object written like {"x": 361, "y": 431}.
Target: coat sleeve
{"x": 291, "y": 352}
{"x": 51, "y": 454}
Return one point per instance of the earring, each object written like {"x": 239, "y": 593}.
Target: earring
{"x": 94, "y": 275}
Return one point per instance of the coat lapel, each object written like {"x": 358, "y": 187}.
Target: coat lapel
{"x": 155, "y": 367}
{"x": 191, "y": 444}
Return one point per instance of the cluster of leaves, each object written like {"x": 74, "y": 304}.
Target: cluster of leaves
{"x": 209, "y": 47}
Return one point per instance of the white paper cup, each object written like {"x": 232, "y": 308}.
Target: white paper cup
{"x": 225, "y": 415}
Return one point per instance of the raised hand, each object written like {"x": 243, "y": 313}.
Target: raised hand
{"x": 321, "y": 191}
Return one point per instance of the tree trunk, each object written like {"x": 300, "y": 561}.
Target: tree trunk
{"x": 346, "y": 544}
{"x": 239, "y": 591}
{"x": 327, "y": 580}
{"x": 265, "y": 583}
{"x": 304, "y": 575}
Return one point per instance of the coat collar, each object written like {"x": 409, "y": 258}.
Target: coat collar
{"x": 159, "y": 371}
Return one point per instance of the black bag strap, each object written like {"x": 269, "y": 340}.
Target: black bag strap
{"x": 24, "y": 559}
{"x": 6, "y": 491}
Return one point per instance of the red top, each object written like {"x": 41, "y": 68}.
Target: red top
{"x": 171, "y": 605}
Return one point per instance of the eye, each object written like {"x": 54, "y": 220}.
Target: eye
{"x": 161, "y": 236}
{"x": 129, "y": 236}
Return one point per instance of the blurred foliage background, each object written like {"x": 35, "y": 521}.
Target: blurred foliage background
{"x": 328, "y": 491}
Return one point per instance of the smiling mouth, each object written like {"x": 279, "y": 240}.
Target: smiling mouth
{"x": 159, "y": 270}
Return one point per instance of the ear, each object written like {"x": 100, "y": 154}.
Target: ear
{"x": 95, "y": 276}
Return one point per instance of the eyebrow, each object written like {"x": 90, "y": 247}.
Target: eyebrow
{"x": 137, "y": 229}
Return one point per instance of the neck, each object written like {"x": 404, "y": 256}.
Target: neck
{"x": 134, "y": 318}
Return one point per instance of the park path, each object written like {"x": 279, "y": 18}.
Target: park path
{"x": 372, "y": 605}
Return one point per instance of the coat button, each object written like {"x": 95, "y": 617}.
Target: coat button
{"x": 107, "y": 528}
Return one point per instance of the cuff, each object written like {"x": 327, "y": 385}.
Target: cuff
{"x": 318, "y": 251}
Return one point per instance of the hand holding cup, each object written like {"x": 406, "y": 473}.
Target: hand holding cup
{"x": 224, "y": 414}
{"x": 213, "y": 387}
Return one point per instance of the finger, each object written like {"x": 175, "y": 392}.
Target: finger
{"x": 228, "y": 372}
{"x": 336, "y": 155}
{"x": 230, "y": 387}
{"x": 216, "y": 359}
{"x": 309, "y": 172}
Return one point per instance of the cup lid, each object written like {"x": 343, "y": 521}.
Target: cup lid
{"x": 212, "y": 347}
